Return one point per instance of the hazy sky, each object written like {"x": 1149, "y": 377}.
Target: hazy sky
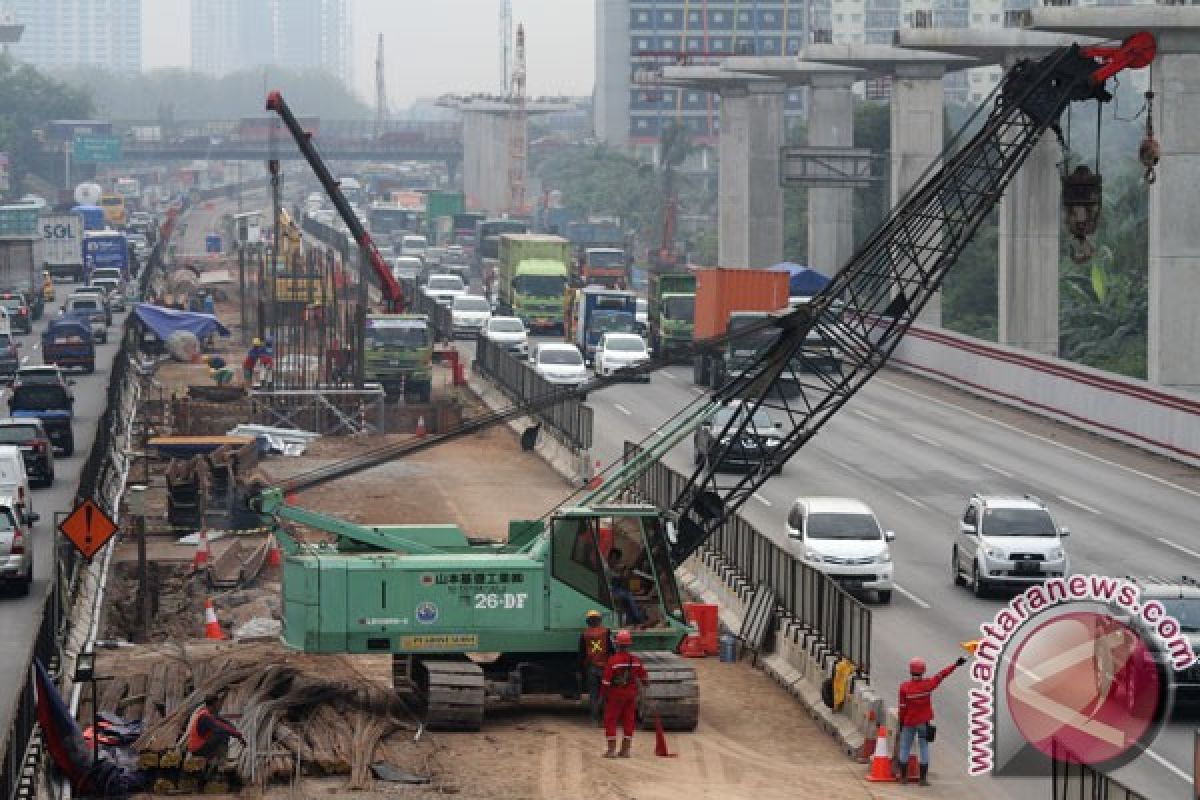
{"x": 431, "y": 46}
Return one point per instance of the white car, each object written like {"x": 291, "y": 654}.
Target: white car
{"x": 560, "y": 363}
{"x": 508, "y": 332}
{"x": 444, "y": 288}
{"x": 1007, "y": 541}
{"x": 619, "y": 350}
{"x": 413, "y": 245}
{"x": 469, "y": 313}
{"x": 841, "y": 537}
{"x": 406, "y": 268}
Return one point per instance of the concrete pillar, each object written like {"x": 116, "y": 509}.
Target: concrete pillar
{"x": 916, "y": 133}
{"x": 830, "y": 211}
{"x": 750, "y": 198}
{"x": 1030, "y": 221}
{"x": 1174, "y": 281}
{"x": 485, "y": 160}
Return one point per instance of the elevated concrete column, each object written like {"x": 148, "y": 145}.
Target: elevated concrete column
{"x": 1174, "y": 257}
{"x": 485, "y": 160}
{"x": 830, "y": 211}
{"x": 917, "y": 135}
{"x": 750, "y": 198}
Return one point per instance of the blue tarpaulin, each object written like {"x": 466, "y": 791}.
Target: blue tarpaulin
{"x": 804, "y": 281}
{"x": 165, "y": 321}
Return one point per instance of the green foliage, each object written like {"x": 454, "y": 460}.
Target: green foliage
{"x": 183, "y": 94}
{"x": 872, "y": 130}
{"x": 29, "y": 99}
{"x": 599, "y": 180}
{"x": 970, "y": 291}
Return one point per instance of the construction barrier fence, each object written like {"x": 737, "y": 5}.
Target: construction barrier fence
{"x": 1073, "y": 781}
{"x": 808, "y": 595}
{"x": 569, "y": 421}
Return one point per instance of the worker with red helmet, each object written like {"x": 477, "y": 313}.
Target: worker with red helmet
{"x": 595, "y": 648}
{"x": 624, "y": 674}
{"x": 915, "y": 710}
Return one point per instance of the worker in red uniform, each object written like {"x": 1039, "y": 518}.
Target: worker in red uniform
{"x": 915, "y": 710}
{"x": 208, "y": 734}
{"x": 624, "y": 675}
{"x": 595, "y": 647}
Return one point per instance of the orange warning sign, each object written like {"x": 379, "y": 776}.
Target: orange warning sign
{"x": 88, "y": 528}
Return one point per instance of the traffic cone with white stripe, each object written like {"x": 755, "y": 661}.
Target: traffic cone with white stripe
{"x": 212, "y": 628}
{"x": 881, "y": 762}
{"x": 421, "y": 426}
{"x": 200, "y": 560}
{"x": 868, "y": 748}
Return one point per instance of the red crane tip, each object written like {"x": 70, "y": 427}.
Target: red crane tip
{"x": 274, "y": 99}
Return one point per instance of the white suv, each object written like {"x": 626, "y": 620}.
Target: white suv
{"x": 509, "y": 333}
{"x": 619, "y": 350}
{"x": 1007, "y": 540}
{"x": 841, "y": 537}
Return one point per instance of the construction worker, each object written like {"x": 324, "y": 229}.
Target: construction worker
{"x": 208, "y": 734}
{"x": 257, "y": 350}
{"x": 619, "y": 585}
{"x": 219, "y": 371}
{"x": 624, "y": 675}
{"x": 595, "y": 647}
{"x": 915, "y": 710}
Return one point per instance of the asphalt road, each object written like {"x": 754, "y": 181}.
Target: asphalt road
{"x": 915, "y": 451}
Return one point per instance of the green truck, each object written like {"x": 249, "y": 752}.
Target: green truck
{"x": 438, "y": 207}
{"x": 399, "y": 354}
{"x": 672, "y": 312}
{"x": 531, "y": 278}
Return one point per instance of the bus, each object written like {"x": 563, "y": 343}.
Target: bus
{"x": 114, "y": 209}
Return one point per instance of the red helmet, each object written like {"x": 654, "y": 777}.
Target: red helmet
{"x": 916, "y": 666}
{"x": 623, "y": 637}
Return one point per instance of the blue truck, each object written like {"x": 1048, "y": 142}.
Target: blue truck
{"x": 597, "y": 311}
{"x": 105, "y": 249}
{"x": 53, "y": 404}
{"x": 67, "y": 342}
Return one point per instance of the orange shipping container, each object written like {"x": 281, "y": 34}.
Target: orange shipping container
{"x": 722, "y": 290}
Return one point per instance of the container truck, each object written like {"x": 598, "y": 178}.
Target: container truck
{"x": 594, "y": 311}
{"x": 604, "y": 266}
{"x": 726, "y": 301}
{"x": 62, "y": 246}
{"x": 93, "y": 216}
{"x": 487, "y": 240}
{"x": 438, "y": 205}
{"x": 672, "y": 307}
{"x": 531, "y": 278}
{"x": 21, "y": 264}
{"x": 605, "y": 237}
{"x": 115, "y": 213}
{"x": 105, "y": 249}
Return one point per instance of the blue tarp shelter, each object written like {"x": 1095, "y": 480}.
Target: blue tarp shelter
{"x": 804, "y": 281}
{"x": 165, "y": 321}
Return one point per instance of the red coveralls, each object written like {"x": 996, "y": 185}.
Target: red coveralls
{"x": 916, "y": 698}
{"x": 619, "y": 688}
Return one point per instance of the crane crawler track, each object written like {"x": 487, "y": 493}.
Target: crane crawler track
{"x": 673, "y": 694}
{"x": 450, "y": 694}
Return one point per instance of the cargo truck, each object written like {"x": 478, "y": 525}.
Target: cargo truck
{"x": 672, "y": 312}
{"x": 728, "y": 300}
{"x": 93, "y": 216}
{"x": 105, "y": 249}
{"x": 594, "y": 311}
{"x": 62, "y": 246}
{"x": 607, "y": 239}
{"x": 531, "y": 278}
{"x": 487, "y": 241}
{"x": 21, "y": 265}
{"x": 439, "y": 205}
{"x": 604, "y": 266}
{"x": 399, "y": 354}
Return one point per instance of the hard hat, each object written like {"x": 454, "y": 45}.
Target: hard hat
{"x": 593, "y": 614}
{"x": 257, "y": 342}
{"x": 623, "y": 637}
{"x": 916, "y": 666}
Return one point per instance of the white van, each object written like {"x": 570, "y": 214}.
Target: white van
{"x": 413, "y": 245}
{"x": 841, "y": 537}
{"x": 14, "y": 481}
{"x": 5, "y": 322}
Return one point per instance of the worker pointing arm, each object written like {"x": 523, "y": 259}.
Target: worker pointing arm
{"x": 915, "y": 710}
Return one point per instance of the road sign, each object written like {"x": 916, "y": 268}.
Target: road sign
{"x": 88, "y": 528}
{"x": 96, "y": 149}
{"x": 828, "y": 167}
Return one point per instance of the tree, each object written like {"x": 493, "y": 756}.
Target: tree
{"x": 29, "y": 99}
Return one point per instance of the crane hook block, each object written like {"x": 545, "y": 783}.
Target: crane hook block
{"x": 1136, "y": 52}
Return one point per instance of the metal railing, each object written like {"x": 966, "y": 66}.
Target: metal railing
{"x": 441, "y": 318}
{"x": 569, "y": 421}
{"x": 1072, "y": 781}
{"x": 22, "y": 746}
{"x": 806, "y": 594}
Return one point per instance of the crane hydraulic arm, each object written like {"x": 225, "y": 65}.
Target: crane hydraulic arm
{"x": 392, "y": 295}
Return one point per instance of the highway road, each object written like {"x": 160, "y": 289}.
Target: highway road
{"x": 915, "y": 451}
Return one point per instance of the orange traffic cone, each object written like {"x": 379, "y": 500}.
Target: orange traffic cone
{"x": 597, "y": 476}
{"x": 420, "y": 426}
{"x": 212, "y": 628}
{"x": 914, "y": 769}
{"x": 881, "y": 761}
{"x": 868, "y": 748}
{"x": 200, "y": 560}
{"x": 274, "y": 558}
{"x": 660, "y": 740}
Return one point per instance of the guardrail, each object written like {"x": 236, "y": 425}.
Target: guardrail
{"x": 22, "y": 747}
{"x": 1071, "y": 781}
{"x": 810, "y": 596}
{"x": 569, "y": 421}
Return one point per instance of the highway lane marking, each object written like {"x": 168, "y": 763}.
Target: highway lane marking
{"x": 1067, "y": 447}
{"x": 909, "y": 498}
{"x": 762, "y": 500}
{"x": 924, "y": 439}
{"x": 667, "y": 374}
{"x": 1183, "y": 776}
{"x": 1178, "y": 547}
{"x": 623, "y": 409}
{"x": 910, "y": 595}
{"x": 865, "y": 415}
{"x": 1077, "y": 504}
{"x": 996, "y": 470}
{"x": 698, "y": 390}
{"x": 847, "y": 467}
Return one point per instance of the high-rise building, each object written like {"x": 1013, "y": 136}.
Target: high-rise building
{"x": 230, "y": 35}
{"x": 79, "y": 33}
